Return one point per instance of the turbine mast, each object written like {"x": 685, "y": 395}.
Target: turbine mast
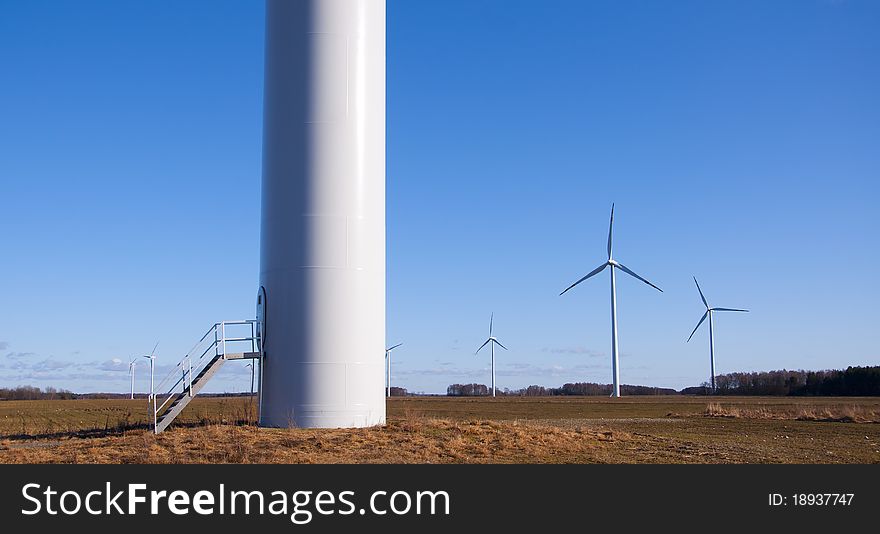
{"x": 712, "y": 348}
{"x": 131, "y": 377}
{"x": 493, "y": 368}
{"x": 615, "y": 362}
{"x": 388, "y": 371}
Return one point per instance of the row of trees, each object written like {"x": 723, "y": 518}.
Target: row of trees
{"x": 468, "y": 390}
{"x": 35, "y": 393}
{"x": 853, "y": 381}
{"x": 591, "y": 388}
{"x": 578, "y": 388}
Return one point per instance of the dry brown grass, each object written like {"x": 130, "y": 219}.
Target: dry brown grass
{"x": 409, "y": 440}
{"x": 99, "y": 417}
{"x": 450, "y": 430}
{"x": 828, "y": 413}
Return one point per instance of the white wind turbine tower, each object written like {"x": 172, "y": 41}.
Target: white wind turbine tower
{"x": 131, "y": 366}
{"x": 709, "y": 311}
{"x": 253, "y": 372}
{"x": 388, "y": 367}
{"x": 491, "y": 342}
{"x": 614, "y": 265}
{"x": 151, "y": 399}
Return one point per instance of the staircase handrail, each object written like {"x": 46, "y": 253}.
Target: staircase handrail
{"x": 190, "y": 366}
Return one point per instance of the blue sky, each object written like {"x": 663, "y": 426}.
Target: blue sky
{"x": 739, "y": 140}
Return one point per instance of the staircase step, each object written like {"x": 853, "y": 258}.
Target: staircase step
{"x": 186, "y": 396}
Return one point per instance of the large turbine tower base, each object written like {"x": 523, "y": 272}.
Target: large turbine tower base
{"x": 322, "y": 248}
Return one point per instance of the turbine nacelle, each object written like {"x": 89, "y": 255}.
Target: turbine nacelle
{"x": 612, "y": 262}
{"x": 152, "y": 354}
{"x": 490, "y": 340}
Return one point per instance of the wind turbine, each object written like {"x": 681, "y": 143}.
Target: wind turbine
{"x": 614, "y": 265}
{"x": 491, "y": 342}
{"x": 151, "y": 399}
{"x": 388, "y": 367}
{"x": 709, "y": 311}
{"x": 131, "y": 366}
{"x": 253, "y": 372}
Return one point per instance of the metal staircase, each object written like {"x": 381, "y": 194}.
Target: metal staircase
{"x": 171, "y": 396}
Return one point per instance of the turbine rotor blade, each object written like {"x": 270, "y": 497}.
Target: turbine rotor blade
{"x": 491, "y": 318}
{"x": 729, "y": 309}
{"x": 499, "y": 344}
{"x": 701, "y": 292}
{"x": 610, "y": 228}
{"x": 703, "y": 318}
{"x": 625, "y": 269}
{"x": 483, "y": 345}
{"x": 394, "y": 347}
{"x": 594, "y": 272}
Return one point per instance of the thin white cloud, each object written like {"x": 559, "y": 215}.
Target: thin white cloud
{"x": 590, "y": 353}
{"x": 20, "y": 355}
{"x": 28, "y": 367}
{"x": 116, "y": 364}
{"x": 436, "y": 371}
{"x": 574, "y": 372}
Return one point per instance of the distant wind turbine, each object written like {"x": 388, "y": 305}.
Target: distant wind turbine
{"x": 131, "y": 366}
{"x": 150, "y": 399}
{"x": 253, "y": 372}
{"x": 388, "y": 367}
{"x": 614, "y": 265}
{"x": 491, "y": 342}
{"x": 709, "y": 311}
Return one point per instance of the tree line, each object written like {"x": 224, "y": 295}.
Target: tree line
{"x": 468, "y": 390}
{"x": 578, "y": 388}
{"x": 35, "y": 393}
{"x": 852, "y": 381}
{"x": 50, "y": 393}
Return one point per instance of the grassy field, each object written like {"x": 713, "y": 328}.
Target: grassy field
{"x": 673, "y": 429}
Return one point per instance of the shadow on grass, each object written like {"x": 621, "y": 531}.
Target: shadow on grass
{"x": 223, "y": 415}
{"x": 118, "y": 430}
